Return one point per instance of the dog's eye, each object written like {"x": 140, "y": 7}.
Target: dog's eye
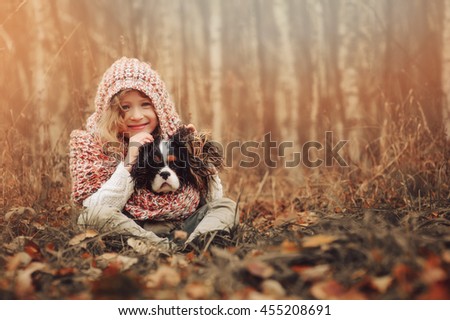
{"x": 157, "y": 158}
{"x": 171, "y": 158}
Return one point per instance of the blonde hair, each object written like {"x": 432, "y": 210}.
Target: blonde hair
{"x": 111, "y": 125}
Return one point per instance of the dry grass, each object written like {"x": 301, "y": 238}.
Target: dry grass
{"x": 386, "y": 221}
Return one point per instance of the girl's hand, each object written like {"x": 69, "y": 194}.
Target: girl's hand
{"x": 191, "y": 128}
{"x": 136, "y": 141}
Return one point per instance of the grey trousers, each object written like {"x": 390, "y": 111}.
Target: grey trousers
{"x": 219, "y": 214}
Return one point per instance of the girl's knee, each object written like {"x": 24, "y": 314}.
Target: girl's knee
{"x": 224, "y": 209}
{"x": 223, "y": 202}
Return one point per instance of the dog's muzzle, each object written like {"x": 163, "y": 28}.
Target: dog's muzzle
{"x": 166, "y": 181}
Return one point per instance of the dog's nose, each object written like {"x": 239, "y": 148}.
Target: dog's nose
{"x": 164, "y": 175}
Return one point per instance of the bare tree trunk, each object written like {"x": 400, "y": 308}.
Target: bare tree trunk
{"x": 300, "y": 21}
{"x": 319, "y": 74}
{"x": 39, "y": 52}
{"x": 428, "y": 16}
{"x": 348, "y": 29}
{"x": 250, "y": 78}
{"x": 193, "y": 57}
{"x": 40, "y": 64}
{"x": 183, "y": 60}
{"x": 286, "y": 94}
{"x": 332, "y": 105}
{"x": 41, "y": 116}
{"x": 267, "y": 51}
{"x": 446, "y": 67}
{"x": 215, "y": 61}
{"x": 168, "y": 47}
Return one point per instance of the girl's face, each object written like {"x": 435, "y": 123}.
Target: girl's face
{"x": 138, "y": 113}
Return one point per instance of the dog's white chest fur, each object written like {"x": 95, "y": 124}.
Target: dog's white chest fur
{"x": 166, "y": 180}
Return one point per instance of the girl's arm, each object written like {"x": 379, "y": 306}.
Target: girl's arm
{"x": 115, "y": 192}
{"x": 215, "y": 188}
{"x": 96, "y": 179}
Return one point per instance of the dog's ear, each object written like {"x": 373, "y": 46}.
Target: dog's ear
{"x": 182, "y": 135}
{"x": 205, "y": 159}
{"x": 205, "y": 155}
{"x": 140, "y": 170}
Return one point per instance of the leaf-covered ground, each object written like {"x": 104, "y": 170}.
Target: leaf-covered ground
{"x": 291, "y": 254}
{"x": 378, "y": 228}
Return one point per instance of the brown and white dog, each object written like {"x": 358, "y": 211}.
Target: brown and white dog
{"x": 186, "y": 158}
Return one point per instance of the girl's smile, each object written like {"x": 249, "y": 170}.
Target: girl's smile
{"x": 138, "y": 127}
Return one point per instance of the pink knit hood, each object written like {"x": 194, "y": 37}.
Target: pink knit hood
{"x": 130, "y": 73}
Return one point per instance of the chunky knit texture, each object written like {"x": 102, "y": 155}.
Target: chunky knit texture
{"x": 91, "y": 168}
{"x": 130, "y": 73}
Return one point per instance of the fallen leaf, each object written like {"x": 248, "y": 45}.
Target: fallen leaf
{"x": 112, "y": 270}
{"x": 446, "y": 256}
{"x": 273, "y": 288}
{"x": 92, "y": 273}
{"x": 180, "y": 235}
{"x": 224, "y": 254}
{"x": 260, "y": 269}
{"x": 122, "y": 285}
{"x": 19, "y": 211}
{"x": 306, "y": 218}
{"x": 190, "y": 256}
{"x": 255, "y": 295}
{"x": 51, "y": 248}
{"x": 81, "y": 296}
{"x": 285, "y": 219}
{"x": 318, "y": 240}
{"x": 377, "y": 255}
{"x": 33, "y": 250}
{"x": 122, "y": 262}
{"x": 19, "y": 259}
{"x": 140, "y": 246}
{"x": 4, "y": 284}
{"x": 38, "y": 226}
{"x": 24, "y": 283}
{"x": 331, "y": 290}
{"x": 436, "y": 291}
{"x": 289, "y": 246}
{"x": 327, "y": 290}
{"x": 300, "y": 268}
{"x": 89, "y": 233}
{"x": 431, "y": 275}
{"x": 381, "y": 284}
{"x": 178, "y": 260}
{"x": 358, "y": 273}
{"x": 433, "y": 271}
{"x": 64, "y": 209}
{"x": 63, "y": 272}
{"x": 242, "y": 294}
{"x": 86, "y": 256}
{"x": 17, "y": 243}
{"x": 255, "y": 253}
{"x": 164, "y": 276}
{"x": 315, "y": 273}
{"x": 195, "y": 290}
{"x": 404, "y": 276}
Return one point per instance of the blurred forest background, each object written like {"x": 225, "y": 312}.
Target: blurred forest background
{"x": 375, "y": 72}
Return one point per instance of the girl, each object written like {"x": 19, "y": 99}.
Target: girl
{"x": 132, "y": 107}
